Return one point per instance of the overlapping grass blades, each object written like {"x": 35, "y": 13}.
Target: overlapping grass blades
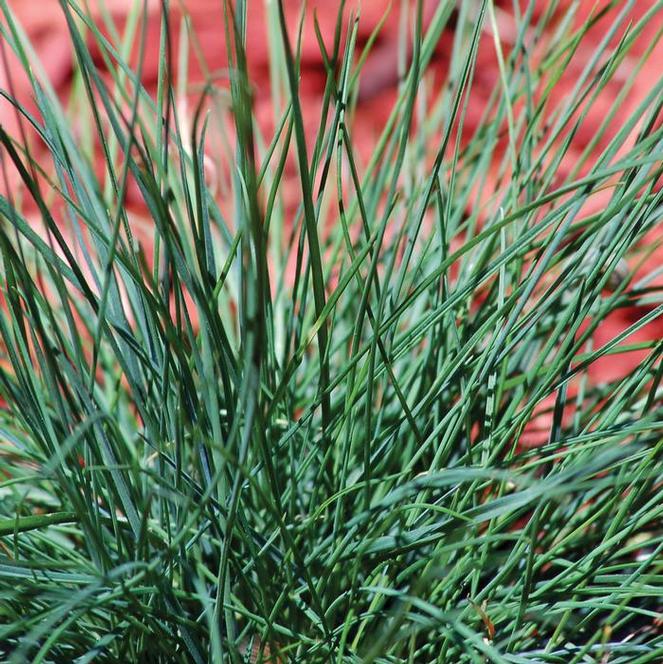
{"x": 206, "y": 450}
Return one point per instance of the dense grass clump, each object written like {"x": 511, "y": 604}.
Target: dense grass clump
{"x": 363, "y": 427}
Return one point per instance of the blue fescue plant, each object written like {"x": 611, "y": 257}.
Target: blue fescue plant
{"x": 209, "y": 455}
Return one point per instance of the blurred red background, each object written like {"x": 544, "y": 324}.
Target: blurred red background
{"x": 43, "y": 21}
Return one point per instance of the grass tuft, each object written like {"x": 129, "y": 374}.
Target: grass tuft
{"x": 370, "y": 425}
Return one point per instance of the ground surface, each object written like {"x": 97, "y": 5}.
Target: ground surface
{"x": 45, "y": 24}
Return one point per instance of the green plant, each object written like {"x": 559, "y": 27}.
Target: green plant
{"x": 205, "y": 449}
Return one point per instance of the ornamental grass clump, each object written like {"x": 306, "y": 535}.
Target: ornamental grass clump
{"x": 370, "y": 379}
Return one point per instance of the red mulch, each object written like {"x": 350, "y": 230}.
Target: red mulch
{"x": 44, "y": 23}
